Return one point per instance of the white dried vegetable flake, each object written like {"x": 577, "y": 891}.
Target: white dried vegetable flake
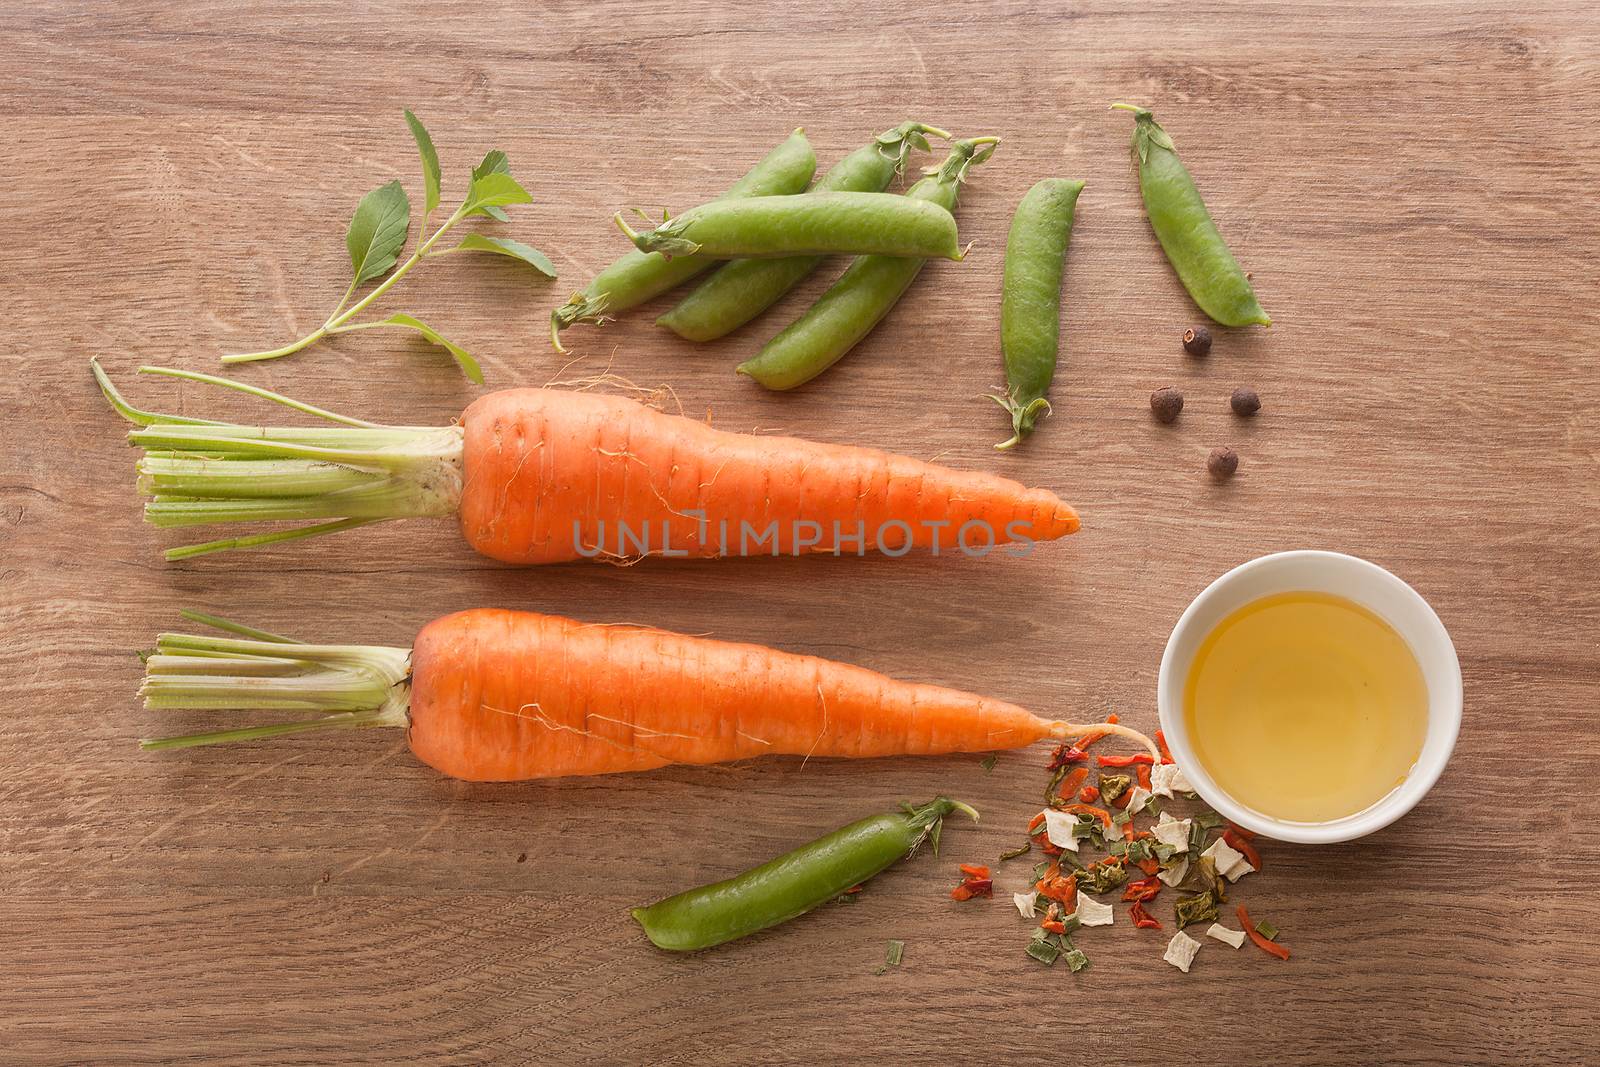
{"x": 1229, "y": 861}
{"x": 1058, "y": 829}
{"x": 1181, "y": 951}
{"x": 1025, "y": 903}
{"x": 1223, "y": 934}
{"x": 1174, "y": 832}
{"x": 1174, "y": 874}
{"x": 1091, "y": 912}
{"x": 1166, "y": 777}
{"x": 1138, "y": 799}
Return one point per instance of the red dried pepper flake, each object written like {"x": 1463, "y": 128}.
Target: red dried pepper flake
{"x": 1233, "y": 840}
{"x": 1143, "y": 771}
{"x": 1071, "y": 783}
{"x": 1085, "y": 809}
{"x": 1142, "y": 890}
{"x": 1036, "y": 829}
{"x": 1125, "y": 761}
{"x": 1265, "y": 945}
{"x": 1089, "y": 794}
{"x": 1149, "y": 866}
{"x": 1065, "y": 754}
{"x": 975, "y": 883}
{"x": 973, "y": 887}
{"x": 1248, "y": 835}
{"x": 1142, "y": 919}
{"x": 1055, "y": 887}
{"x": 1055, "y": 926}
{"x": 1161, "y": 743}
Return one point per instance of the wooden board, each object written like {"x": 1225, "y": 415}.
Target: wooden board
{"x": 1412, "y": 185}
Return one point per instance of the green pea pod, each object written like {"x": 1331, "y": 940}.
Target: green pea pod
{"x": 771, "y": 227}
{"x": 1030, "y": 299}
{"x": 864, "y": 294}
{"x": 741, "y": 290}
{"x": 793, "y": 884}
{"x": 640, "y": 276}
{"x": 1183, "y": 226}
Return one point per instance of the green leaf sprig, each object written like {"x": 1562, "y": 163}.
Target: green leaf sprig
{"x": 377, "y": 235}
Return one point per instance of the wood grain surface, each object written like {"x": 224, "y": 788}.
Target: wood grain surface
{"x": 1413, "y": 186}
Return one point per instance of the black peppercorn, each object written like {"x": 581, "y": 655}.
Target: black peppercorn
{"x": 1222, "y": 463}
{"x": 1244, "y": 401}
{"x": 1197, "y": 342}
{"x": 1165, "y": 403}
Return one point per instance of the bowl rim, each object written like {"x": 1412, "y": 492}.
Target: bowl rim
{"x": 1403, "y": 798}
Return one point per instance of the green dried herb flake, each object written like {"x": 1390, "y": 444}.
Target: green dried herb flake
{"x": 1044, "y": 951}
{"x": 1196, "y": 909}
{"x": 1113, "y": 786}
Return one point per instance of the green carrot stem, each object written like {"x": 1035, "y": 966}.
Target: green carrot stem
{"x": 217, "y": 622}
{"x": 135, "y": 415}
{"x": 257, "y": 391}
{"x": 173, "y": 555}
{"x": 345, "y": 720}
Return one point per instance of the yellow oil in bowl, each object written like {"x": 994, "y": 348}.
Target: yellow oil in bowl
{"x": 1306, "y": 707}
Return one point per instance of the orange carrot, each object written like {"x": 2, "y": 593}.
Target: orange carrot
{"x": 506, "y": 696}
{"x": 549, "y": 475}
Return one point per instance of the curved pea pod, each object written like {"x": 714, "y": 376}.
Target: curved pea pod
{"x": 639, "y": 276}
{"x": 806, "y": 224}
{"x": 866, "y": 292}
{"x": 796, "y": 882}
{"x": 741, "y": 290}
{"x": 1030, "y": 299}
{"x": 1182, "y": 224}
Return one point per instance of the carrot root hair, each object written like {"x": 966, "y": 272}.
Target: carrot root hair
{"x": 1063, "y": 730}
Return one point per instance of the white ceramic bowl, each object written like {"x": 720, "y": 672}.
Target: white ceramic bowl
{"x": 1368, "y": 585}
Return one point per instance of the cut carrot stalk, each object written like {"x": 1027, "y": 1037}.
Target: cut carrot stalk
{"x": 1134, "y": 760}
{"x": 507, "y": 696}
